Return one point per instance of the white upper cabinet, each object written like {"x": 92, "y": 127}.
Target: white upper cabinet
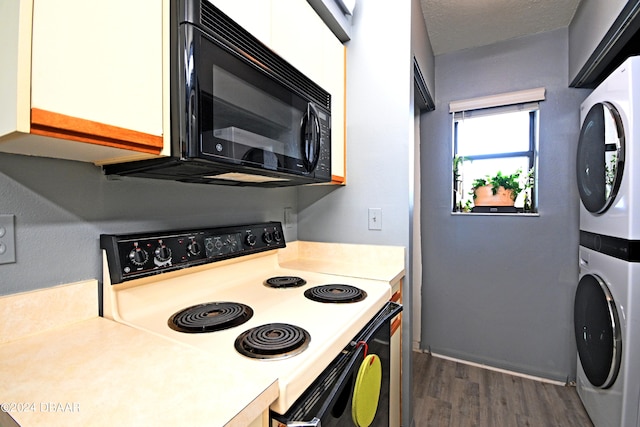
{"x": 334, "y": 81}
{"x": 15, "y": 66}
{"x": 88, "y": 79}
{"x": 252, "y": 15}
{"x": 297, "y": 35}
{"x": 99, "y": 61}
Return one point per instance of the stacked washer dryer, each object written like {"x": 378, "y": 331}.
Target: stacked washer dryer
{"x": 607, "y": 301}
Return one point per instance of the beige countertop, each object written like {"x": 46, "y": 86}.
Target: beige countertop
{"x": 375, "y": 262}
{"x": 93, "y": 371}
{"x": 67, "y": 366}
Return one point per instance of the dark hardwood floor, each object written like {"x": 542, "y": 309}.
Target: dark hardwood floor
{"x": 453, "y": 394}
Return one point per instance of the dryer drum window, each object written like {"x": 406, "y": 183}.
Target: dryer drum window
{"x": 597, "y": 330}
{"x": 600, "y": 159}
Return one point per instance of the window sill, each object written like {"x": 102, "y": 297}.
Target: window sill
{"x": 518, "y": 214}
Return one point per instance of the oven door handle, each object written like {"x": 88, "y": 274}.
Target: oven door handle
{"x": 385, "y": 315}
{"x": 315, "y": 422}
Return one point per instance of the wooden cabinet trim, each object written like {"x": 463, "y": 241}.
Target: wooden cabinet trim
{"x": 397, "y": 297}
{"x": 337, "y": 180}
{"x": 395, "y": 325}
{"x": 57, "y": 125}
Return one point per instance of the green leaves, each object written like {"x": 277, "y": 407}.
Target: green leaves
{"x": 508, "y": 182}
{"x": 516, "y": 182}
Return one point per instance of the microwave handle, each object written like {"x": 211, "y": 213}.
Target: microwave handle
{"x": 310, "y": 138}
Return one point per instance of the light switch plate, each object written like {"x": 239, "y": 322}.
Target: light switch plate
{"x": 375, "y": 218}
{"x": 288, "y": 218}
{"x": 7, "y": 239}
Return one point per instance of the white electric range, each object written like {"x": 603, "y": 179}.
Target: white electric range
{"x": 222, "y": 290}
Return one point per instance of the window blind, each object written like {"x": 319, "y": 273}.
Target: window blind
{"x": 498, "y": 100}
{"x": 492, "y": 111}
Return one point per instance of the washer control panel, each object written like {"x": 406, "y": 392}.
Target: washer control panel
{"x": 131, "y": 256}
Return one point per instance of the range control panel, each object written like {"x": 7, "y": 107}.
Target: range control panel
{"x": 131, "y": 256}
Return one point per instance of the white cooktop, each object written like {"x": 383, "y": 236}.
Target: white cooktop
{"x": 148, "y": 303}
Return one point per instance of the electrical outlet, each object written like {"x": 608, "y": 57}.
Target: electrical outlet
{"x": 375, "y": 218}
{"x": 7, "y": 239}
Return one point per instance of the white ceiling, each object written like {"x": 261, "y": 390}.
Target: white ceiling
{"x": 460, "y": 24}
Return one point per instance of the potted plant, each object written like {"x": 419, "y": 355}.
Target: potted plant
{"x": 457, "y": 183}
{"x": 500, "y": 189}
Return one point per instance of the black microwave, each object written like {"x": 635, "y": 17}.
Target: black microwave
{"x": 240, "y": 114}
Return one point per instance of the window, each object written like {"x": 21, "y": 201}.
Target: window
{"x": 495, "y": 147}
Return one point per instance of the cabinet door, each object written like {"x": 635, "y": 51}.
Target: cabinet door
{"x": 334, "y": 62}
{"x": 252, "y": 15}
{"x": 297, "y": 35}
{"x": 15, "y": 71}
{"x": 99, "y": 66}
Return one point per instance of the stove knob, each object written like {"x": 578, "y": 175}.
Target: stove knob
{"x": 194, "y": 248}
{"x": 231, "y": 245}
{"x": 162, "y": 253}
{"x": 267, "y": 237}
{"x": 251, "y": 239}
{"x": 277, "y": 236}
{"x": 138, "y": 256}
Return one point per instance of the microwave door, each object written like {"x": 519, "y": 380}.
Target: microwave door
{"x": 249, "y": 119}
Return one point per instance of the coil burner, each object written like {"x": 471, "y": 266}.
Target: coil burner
{"x": 273, "y": 341}
{"x": 335, "y": 293}
{"x": 210, "y": 317}
{"x": 285, "y": 282}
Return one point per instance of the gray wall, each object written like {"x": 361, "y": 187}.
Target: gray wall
{"x": 499, "y": 290}
{"x": 62, "y": 207}
{"x": 379, "y": 135}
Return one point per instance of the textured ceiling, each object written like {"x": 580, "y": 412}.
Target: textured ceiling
{"x": 460, "y": 24}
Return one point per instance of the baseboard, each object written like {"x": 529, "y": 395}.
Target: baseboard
{"x": 493, "y": 368}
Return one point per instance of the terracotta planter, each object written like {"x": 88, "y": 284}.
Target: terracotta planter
{"x": 485, "y": 197}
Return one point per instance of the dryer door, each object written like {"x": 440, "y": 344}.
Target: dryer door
{"x": 597, "y": 329}
{"x": 600, "y": 159}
